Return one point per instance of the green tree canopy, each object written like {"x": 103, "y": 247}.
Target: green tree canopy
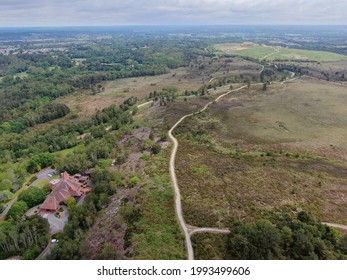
{"x": 5, "y": 195}
{"x": 40, "y": 161}
{"x": 33, "y": 196}
{"x": 285, "y": 238}
{"x": 17, "y": 210}
{"x": 5, "y": 185}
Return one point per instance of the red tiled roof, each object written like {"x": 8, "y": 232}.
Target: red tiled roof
{"x": 51, "y": 203}
{"x": 67, "y": 186}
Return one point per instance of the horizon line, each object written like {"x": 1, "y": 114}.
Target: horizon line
{"x": 172, "y": 25}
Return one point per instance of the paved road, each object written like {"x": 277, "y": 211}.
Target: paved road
{"x": 174, "y": 178}
{"x": 46, "y": 251}
{"x": 7, "y": 208}
{"x": 42, "y": 175}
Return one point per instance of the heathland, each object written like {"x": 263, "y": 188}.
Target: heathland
{"x": 268, "y": 158}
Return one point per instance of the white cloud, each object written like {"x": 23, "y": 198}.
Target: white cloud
{"x": 134, "y": 12}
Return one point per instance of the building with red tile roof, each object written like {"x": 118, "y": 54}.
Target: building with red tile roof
{"x": 62, "y": 188}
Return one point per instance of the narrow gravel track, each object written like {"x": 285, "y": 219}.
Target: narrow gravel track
{"x": 337, "y": 226}
{"x": 188, "y": 230}
{"x": 209, "y": 230}
{"x": 144, "y": 104}
{"x": 178, "y": 204}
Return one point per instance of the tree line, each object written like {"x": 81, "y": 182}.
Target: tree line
{"x": 301, "y": 238}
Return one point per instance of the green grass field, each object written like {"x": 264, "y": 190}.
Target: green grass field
{"x": 306, "y": 114}
{"x": 295, "y": 54}
{"x": 257, "y": 52}
{"x": 64, "y": 153}
{"x": 278, "y": 53}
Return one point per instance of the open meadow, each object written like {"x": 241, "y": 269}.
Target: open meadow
{"x": 202, "y": 71}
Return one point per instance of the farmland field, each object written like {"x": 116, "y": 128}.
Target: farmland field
{"x": 262, "y": 52}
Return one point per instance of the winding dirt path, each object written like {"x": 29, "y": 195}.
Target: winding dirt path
{"x": 337, "y": 226}
{"x": 177, "y": 191}
{"x": 209, "y": 230}
{"x": 262, "y": 69}
{"x": 188, "y": 229}
{"x": 292, "y": 78}
{"x": 144, "y": 104}
{"x": 188, "y": 232}
{"x": 270, "y": 54}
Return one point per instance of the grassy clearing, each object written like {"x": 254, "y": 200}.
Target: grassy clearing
{"x": 305, "y": 115}
{"x": 119, "y": 90}
{"x": 78, "y": 61}
{"x": 294, "y": 54}
{"x": 256, "y": 52}
{"x": 278, "y": 53}
{"x": 20, "y": 75}
{"x": 188, "y": 78}
{"x": 64, "y": 153}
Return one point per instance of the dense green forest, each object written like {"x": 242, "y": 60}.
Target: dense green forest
{"x": 24, "y": 237}
{"x": 29, "y": 81}
{"x": 286, "y": 238}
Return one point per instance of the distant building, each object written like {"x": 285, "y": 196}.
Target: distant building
{"x": 63, "y": 188}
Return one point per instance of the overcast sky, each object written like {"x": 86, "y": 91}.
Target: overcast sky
{"x": 170, "y": 12}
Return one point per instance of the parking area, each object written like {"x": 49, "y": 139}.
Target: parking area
{"x": 56, "y": 221}
{"x": 44, "y": 174}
